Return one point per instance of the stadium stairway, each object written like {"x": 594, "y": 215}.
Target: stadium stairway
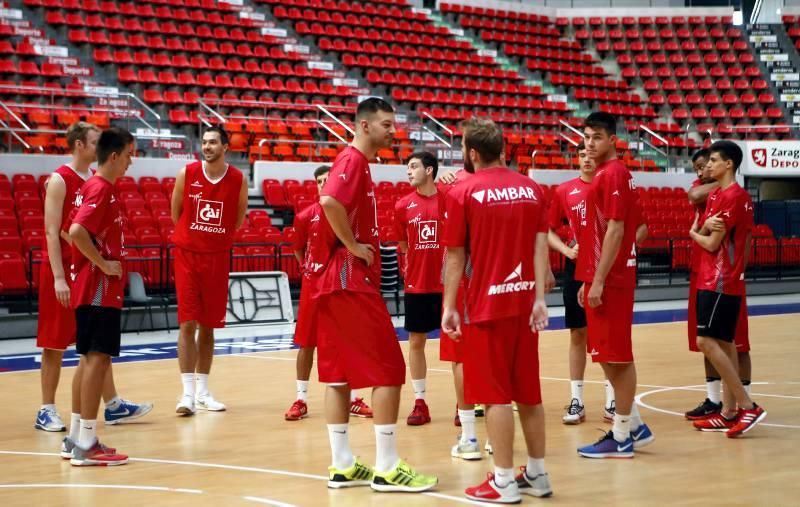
{"x": 780, "y": 43}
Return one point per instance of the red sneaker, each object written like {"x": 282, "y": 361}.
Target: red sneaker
{"x": 359, "y": 408}
{"x": 97, "y": 455}
{"x": 420, "y": 415}
{"x": 746, "y": 420}
{"x": 489, "y": 491}
{"x": 715, "y": 422}
{"x": 297, "y": 411}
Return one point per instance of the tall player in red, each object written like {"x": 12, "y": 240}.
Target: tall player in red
{"x": 569, "y": 205}
{"x": 56, "y": 325}
{"x": 357, "y": 343}
{"x": 698, "y": 196}
{"x": 418, "y": 224}
{"x": 97, "y": 291}
{"x": 607, "y": 266}
{"x": 499, "y": 219}
{"x": 721, "y": 287}
{"x": 209, "y": 204}
{"x": 308, "y": 224}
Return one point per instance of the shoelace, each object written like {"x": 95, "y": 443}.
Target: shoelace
{"x": 574, "y": 407}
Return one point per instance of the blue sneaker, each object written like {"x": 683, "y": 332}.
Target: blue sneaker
{"x": 48, "y": 420}
{"x": 642, "y": 436}
{"x": 607, "y": 447}
{"x": 127, "y": 411}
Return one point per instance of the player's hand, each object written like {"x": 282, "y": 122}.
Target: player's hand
{"x": 595, "y": 295}
{"x": 695, "y": 225}
{"x": 449, "y": 177}
{"x": 451, "y": 323}
{"x": 572, "y": 253}
{"x": 364, "y": 252}
{"x": 714, "y": 224}
{"x": 112, "y": 268}
{"x": 62, "y": 292}
{"x": 580, "y": 295}
{"x": 539, "y": 319}
{"x": 550, "y": 283}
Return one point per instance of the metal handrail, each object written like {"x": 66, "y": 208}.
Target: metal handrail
{"x": 437, "y": 122}
{"x": 202, "y": 104}
{"x": 337, "y": 120}
{"x": 14, "y": 115}
{"x": 663, "y": 140}
{"x": 335, "y": 134}
{"x": 12, "y": 132}
{"x": 438, "y": 138}
{"x": 570, "y": 127}
{"x": 569, "y": 139}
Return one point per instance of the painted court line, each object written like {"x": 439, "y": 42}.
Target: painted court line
{"x": 104, "y": 486}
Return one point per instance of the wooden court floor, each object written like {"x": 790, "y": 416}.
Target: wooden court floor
{"x": 250, "y": 455}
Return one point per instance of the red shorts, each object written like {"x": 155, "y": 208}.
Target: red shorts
{"x": 501, "y": 362}
{"x": 357, "y": 342}
{"x": 56, "y": 326}
{"x": 742, "y": 338}
{"x": 201, "y": 284}
{"x": 609, "y": 325}
{"x": 305, "y": 331}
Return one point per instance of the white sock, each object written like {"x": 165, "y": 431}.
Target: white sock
{"x": 202, "y": 384}
{"x": 576, "y": 386}
{"x": 74, "y": 427}
{"x": 302, "y": 390}
{"x": 467, "y": 418}
{"x": 503, "y": 476}
{"x": 386, "y": 456}
{"x": 419, "y": 388}
{"x": 113, "y": 403}
{"x": 535, "y": 467}
{"x": 187, "y": 379}
{"x": 609, "y": 394}
{"x": 49, "y": 406}
{"x": 622, "y": 427}
{"x": 713, "y": 390}
{"x": 353, "y": 395}
{"x": 636, "y": 419}
{"x": 339, "y": 436}
{"x": 747, "y": 388}
{"x": 88, "y": 433}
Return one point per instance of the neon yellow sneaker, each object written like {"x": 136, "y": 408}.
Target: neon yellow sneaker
{"x": 357, "y": 475}
{"x": 403, "y": 478}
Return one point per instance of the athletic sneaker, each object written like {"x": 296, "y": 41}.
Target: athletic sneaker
{"x": 576, "y": 413}
{"x": 705, "y": 409}
{"x": 68, "y": 447}
{"x": 489, "y": 491}
{"x": 609, "y": 411}
{"x": 479, "y": 410}
{"x": 714, "y": 422}
{"x": 48, "y": 419}
{"x": 538, "y": 486}
{"x": 97, "y": 455}
{"x": 207, "y": 402}
{"x": 420, "y": 415}
{"x": 127, "y": 411}
{"x": 746, "y": 420}
{"x": 488, "y": 447}
{"x": 297, "y": 411}
{"x": 642, "y": 436}
{"x": 358, "y": 474}
{"x": 607, "y": 447}
{"x": 359, "y": 408}
{"x": 466, "y": 450}
{"x": 402, "y": 478}
{"x": 185, "y": 405}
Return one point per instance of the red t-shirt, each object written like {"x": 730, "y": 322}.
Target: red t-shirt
{"x": 723, "y": 270}
{"x": 418, "y": 221}
{"x": 350, "y": 183}
{"x": 612, "y": 196}
{"x": 569, "y": 203}
{"x": 694, "y": 263}
{"x": 73, "y": 182}
{"x": 309, "y": 224}
{"x": 210, "y": 210}
{"x": 495, "y": 215}
{"x": 97, "y": 209}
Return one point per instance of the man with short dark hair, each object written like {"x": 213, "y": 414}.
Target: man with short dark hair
{"x": 721, "y": 287}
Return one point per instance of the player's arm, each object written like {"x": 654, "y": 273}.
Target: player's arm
{"x": 242, "y": 211}
{"x": 83, "y": 241}
{"x": 400, "y": 228}
{"x": 541, "y": 268}
{"x": 554, "y": 241}
{"x": 709, "y": 242}
{"x": 336, "y": 214}
{"x": 53, "y": 208}
{"x": 641, "y": 233}
{"x": 699, "y": 194}
{"x": 608, "y": 254}
{"x": 748, "y": 240}
{"x": 300, "y": 255}
{"x": 453, "y": 272}
{"x": 177, "y": 195}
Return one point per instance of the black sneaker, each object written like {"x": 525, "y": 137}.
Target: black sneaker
{"x": 704, "y": 410}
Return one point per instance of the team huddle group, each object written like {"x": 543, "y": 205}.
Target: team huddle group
{"x": 475, "y": 251}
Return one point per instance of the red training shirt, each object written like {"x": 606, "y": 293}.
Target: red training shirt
{"x": 418, "y": 221}
{"x": 309, "y": 224}
{"x": 73, "y": 182}
{"x": 569, "y": 203}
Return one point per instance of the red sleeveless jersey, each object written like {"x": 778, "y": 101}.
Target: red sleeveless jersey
{"x": 73, "y": 182}
{"x": 208, "y": 220}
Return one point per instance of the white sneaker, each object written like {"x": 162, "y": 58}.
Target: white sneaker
{"x": 575, "y": 414}
{"x": 608, "y": 412}
{"x": 207, "y": 402}
{"x": 538, "y": 486}
{"x": 185, "y": 405}
{"x": 488, "y": 447}
{"x": 48, "y": 420}
{"x": 466, "y": 450}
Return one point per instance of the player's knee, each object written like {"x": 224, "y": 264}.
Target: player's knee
{"x": 417, "y": 341}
